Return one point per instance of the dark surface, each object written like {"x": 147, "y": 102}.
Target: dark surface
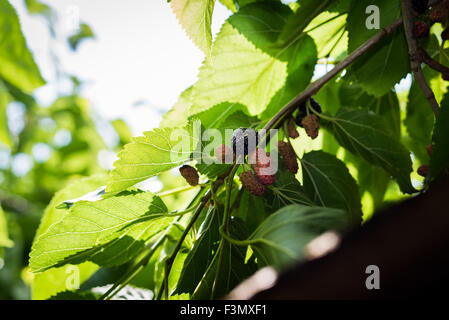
{"x": 409, "y": 242}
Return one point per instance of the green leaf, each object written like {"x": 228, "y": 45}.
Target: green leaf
{"x": 220, "y": 115}
{"x": 73, "y": 295}
{"x": 370, "y": 178}
{"x": 4, "y": 239}
{"x": 328, "y": 183}
{"x": 368, "y": 136}
{"x": 16, "y": 62}
{"x": 52, "y": 281}
{"x": 420, "y": 119}
{"x": 386, "y": 63}
{"x": 328, "y": 98}
{"x": 253, "y": 210}
{"x": 84, "y": 32}
{"x": 74, "y": 189}
{"x": 246, "y": 68}
{"x": 439, "y": 161}
{"x": 351, "y": 94}
{"x": 229, "y": 4}
{"x": 108, "y": 232}
{"x": 36, "y": 7}
{"x": 155, "y": 152}
{"x": 281, "y": 238}
{"x": 296, "y": 23}
{"x": 328, "y": 30}
{"x": 228, "y": 267}
{"x": 179, "y": 113}
{"x": 122, "y": 130}
{"x": 195, "y": 16}
{"x": 201, "y": 253}
{"x": 286, "y": 190}
{"x": 5, "y": 135}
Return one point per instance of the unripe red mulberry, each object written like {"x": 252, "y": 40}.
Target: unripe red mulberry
{"x": 260, "y": 160}
{"x": 291, "y": 128}
{"x": 260, "y": 157}
{"x": 311, "y": 124}
{"x": 190, "y": 174}
{"x": 250, "y": 183}
{"x": 224, "y": 153}
{"x": 421, "y": 29}
{"x": 288, "y": 155}
{"x": 422, "y": 170}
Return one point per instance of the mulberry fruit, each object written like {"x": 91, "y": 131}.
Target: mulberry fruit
{"x": 302, "y": 112}
{"x": 421, "y": 29}
{"x": 291, "y": 128}
{"x": 190, "y": 174}
{"x": 422, "y": 170}
{"x": 288, "y": 155}
{"x": 315, "y": 105}
{"x": 420, "y": 6}
{"x": 250, "y": 183}
{"x": 261, "y": 163}
{"x": 311, "y": 124}
{"x": 244, "y": 139}
{"x": 439, "y": 12}
{"x": 224, "y": 153}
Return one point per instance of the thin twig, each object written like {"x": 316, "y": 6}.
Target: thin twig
{"x": 169, "y": 262}
{"x": 316, "y": 85}
{"x": 435, "y": 65}
{"x": 415, "y": 55}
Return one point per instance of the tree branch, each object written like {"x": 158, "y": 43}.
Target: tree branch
{"x": 415, "y": 55}
{"x": 435, "y": 65}
{"x": 316, "y": 85}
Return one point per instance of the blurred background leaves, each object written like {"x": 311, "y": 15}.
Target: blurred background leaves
{"x": 42, "y": 148}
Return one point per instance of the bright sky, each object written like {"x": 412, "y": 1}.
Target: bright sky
{"x": 140, "y": 53}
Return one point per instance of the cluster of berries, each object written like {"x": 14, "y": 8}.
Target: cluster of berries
{"x": 261, "y": 163}
{"x": 262, "y": 173}
{"x": 305, "y": 119}
{"x": 438, "y": 13}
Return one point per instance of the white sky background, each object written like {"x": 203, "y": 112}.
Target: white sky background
{"x": 140, "y": 53}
